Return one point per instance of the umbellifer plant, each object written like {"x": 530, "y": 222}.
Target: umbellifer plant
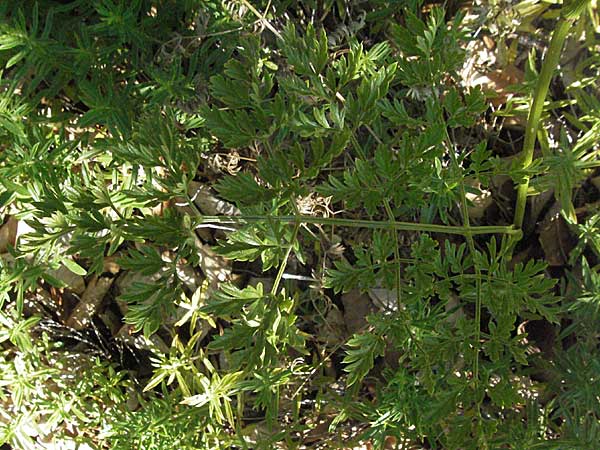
{"x": 114, "y": 112}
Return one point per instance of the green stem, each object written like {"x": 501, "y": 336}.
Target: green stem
{"x": 535, "y": 113}
{"x": 471, "y": 244}
{"x": 288, "y": 252}
{"x": 391, "y": 217}
{"x": 193, "y": 206}
{"x": 373, "y": 224}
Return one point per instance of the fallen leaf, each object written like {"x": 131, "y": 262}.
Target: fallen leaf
{"x": 479, "y": 203}
{"x": 499, "y": 82}
{"x": 555, "y": 237}
{"x": 384, "y": 299}
{"x": 333, "y": 331}
{"x": 8, "y": 234}
{"x": 357, "y": 307}
{"x": 489, "y": 43}
{"x": 215, "y": 268}
{"x": 110, "y": 265}
{"x": 208, "y": 203}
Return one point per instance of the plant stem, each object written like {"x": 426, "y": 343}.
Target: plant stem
{"x": 262, "y": 18}
{"x": 390, "y": 214}
{"x": 285, "y": 259}
{"x": 372, "y": 224}
{"x": 535, "y": 113}
{"x": 471, "y": 244}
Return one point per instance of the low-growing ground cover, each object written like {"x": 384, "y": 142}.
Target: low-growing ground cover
{"x": 321, "y": 224}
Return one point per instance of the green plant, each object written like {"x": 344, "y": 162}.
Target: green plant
{"x": 112, "y": 112}
{"x": 569, "y": 14}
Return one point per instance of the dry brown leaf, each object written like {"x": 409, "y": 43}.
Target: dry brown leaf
{"x": 498, "y": 83}
{"x": 215, "y": 268}
{"x": 481, "y": 57}
{"x": 91, "y": 299}
{"x": 357, "y": 307}
{"x": 384, "y": 299}
{"x": 479, "y": 203}
{"x": 489, "y": 43}
{"x": 110, "y": 265}
{"x": 555, "y": 237}
{"x": 8, "y": 234}
{"x": 208, "y": 203}
{"x": 333, "y": 330}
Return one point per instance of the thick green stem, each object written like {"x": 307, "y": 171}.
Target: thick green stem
{"x": 405, "y": 226}
{"x": 535, "y": 113}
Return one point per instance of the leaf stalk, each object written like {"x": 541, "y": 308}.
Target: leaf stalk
{"x": 372, "y": 224}
{"x": 550, "y": 63}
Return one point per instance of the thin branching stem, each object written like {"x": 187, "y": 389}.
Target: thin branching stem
{"x": 262, "y": 18}
{"x": 371, "y": 224}
{"x": 281, "y": 270}
{"x": 471, "y": 244}
{"x": 391, "y": 217}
